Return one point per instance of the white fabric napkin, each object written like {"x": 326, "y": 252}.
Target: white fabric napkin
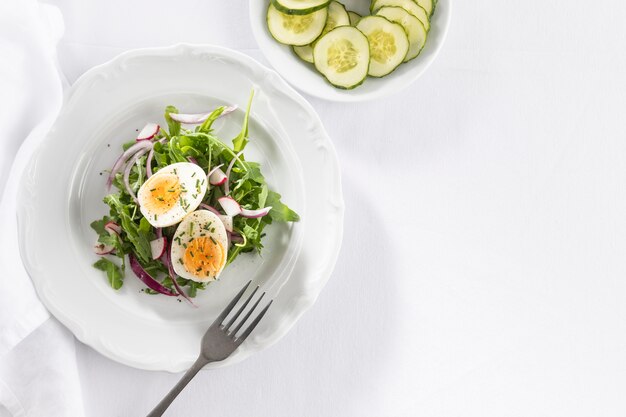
{"x": 38, "y": 373}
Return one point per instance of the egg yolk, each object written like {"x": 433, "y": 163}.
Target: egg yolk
{"x": 164, "y": 191}
{"x": 204, "y": 257}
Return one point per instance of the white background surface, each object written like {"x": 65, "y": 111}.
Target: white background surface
{"x": 483, "y": 268}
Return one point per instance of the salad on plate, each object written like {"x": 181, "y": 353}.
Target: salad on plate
{"x": 185, "y": 206}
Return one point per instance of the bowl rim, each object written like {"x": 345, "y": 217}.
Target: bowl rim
{"x": 348, "y": 96}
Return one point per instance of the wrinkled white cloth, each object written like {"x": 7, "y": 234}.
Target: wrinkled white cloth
{"x": 38, "y": 372}
{"x": 482, "y": 270}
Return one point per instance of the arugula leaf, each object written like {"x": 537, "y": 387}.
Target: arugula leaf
{"x": 139, "y": 237}
{"x": 172, "y": 125}
{"x": 176, "y": 154}
{"x": 241, "y": 140}
{"x": 206, "y": 126}
{"x": 115, "y": 274}
{"x": 280, "y": 212}
{"x": 98, "y": 225}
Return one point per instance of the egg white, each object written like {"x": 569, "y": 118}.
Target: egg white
{"x": 185, "y": 233}
{"x": 192, "y": 179}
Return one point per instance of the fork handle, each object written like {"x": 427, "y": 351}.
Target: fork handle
{"x": 167, "y": 400}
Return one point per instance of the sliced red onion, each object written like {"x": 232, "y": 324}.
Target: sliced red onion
{"x": 193, "y": 160}
{"x": 147, "y": 279}
{"x": 235, "y": 237}
{"x": 170, "y": 268}
{"x": 228, "y": 222}
{"x": 190, "y": 119}
{"x": 123, "y": 157}
{"x": 217, "y": 177}
{"x": 111, "y": 226}
{"x": 159, "y": 232}
{"x": 255, "y": 214}
{"x": 149, "y": 162}
{"x": 214, "y": 169}
{"x": 158, "y": 247}
{"x": 230, "y": 206}
{"x": 129, "y": 166}
{"x": 230, "y": 168}
{"x": 148, "y": 132}
{"x": 239, "y": 240}
{"x": 210, "y": 208}
{"x": 197, "y": 118}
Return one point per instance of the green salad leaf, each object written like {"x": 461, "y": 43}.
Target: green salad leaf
{"x": 241, "y": 140}
{"x": 247, "y": 186}
{"x": 115, "y": 274}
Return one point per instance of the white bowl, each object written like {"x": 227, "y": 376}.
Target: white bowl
{"x": 304, "y": 77}
{"x": 62, "y": 191}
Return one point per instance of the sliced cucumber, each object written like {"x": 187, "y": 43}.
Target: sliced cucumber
{"x": 337, "y": 16}
{"x": 342, "y": 56}
{"x": 427, "y": 5}
{"x": 300, "y": 6}
{"x": 295, "y": 29}
{"x": 305, "y": 53}
{"x": 409, "y": 5}
{"x": 412, "y": 25}
{"x": 354, "y": 18}
{"x": 388, "y": 41}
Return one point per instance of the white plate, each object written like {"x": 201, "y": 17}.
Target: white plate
{"x": 62, "y": 193}
{"x": 304, "y": 77}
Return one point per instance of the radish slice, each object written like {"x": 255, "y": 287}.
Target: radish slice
{"x": 147, "y": 279}
{"x": 158, "y": 247}
{"x": 197, "y": 118}
{"x": 255, "y": 214}
{"x": 214, "y": 169}
{"x": 228, "y": 222}
{"x": 159, "y": 232}
{"x": 217, "y": 177}
{"x": 230, "y": 167}
{"x": 148, "y": 132}
{"x": 210, "y": 208}
{"x": 102, "y": 249}
{"x": 113, "y": 227}
{"x": 230, "y": 206}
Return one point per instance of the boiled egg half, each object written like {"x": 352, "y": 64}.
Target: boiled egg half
{"x": 171, "y": 193}
{"x": 200, "y": 247}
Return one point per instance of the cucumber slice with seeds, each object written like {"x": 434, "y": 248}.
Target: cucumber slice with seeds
{"x": 295, "y": 29}
{"x": 412, "y": 25}
{"x": 354, "y": 18}
{"x": 409, "y": 5}
{"x": 299, "y": 6}
{"x": 342, "y": 56}
{"x": 337, "y": 16}
{"x": 388, "y": 41}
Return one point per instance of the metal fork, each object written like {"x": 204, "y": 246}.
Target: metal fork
{"x": 217, "y": 343}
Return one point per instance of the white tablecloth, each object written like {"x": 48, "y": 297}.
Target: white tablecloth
{"x": 483, "y": 266}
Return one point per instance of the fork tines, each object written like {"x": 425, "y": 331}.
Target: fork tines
{"x": 229, "y": 308}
